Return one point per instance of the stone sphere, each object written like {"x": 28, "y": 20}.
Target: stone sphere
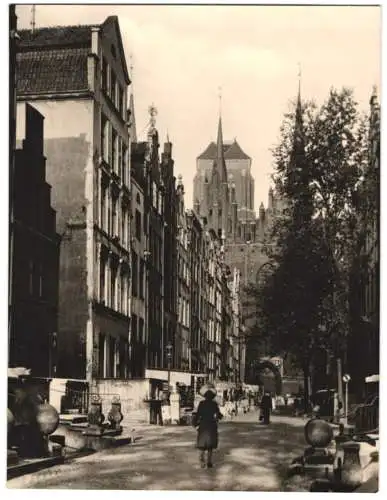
{"x": 318, "y": 433}
{"x": 10, "y": 419}
{"x": 47, "y": 418}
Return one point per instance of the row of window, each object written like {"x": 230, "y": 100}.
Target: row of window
{"x": 113, "y": 356}
{"x": 183, "y": 270}
{"x": 112, "y": 89}
{"x": 157, "y": 198}
{"x": 41, "y": 282}
{"x": 184, "y": 312}
{"x": 114, "y": 215}
{"x": 138, "y": 276}
{"x": 138, "y": 331}
{"x": 114, "y": 285}
{"x": 114, "y": 151}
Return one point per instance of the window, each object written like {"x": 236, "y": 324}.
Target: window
{"x": 102, "y": 282}
{"x": 114, "y": 151}
{"x": 160, "y": 200}
{"x": 111, "y": 358}
{"x": 134, "y": 275}
{"x": 154, "y": 193}
{"x": 119, "y": 158}
{"x": 113, "y": 81}
{"x": 104, "y": 75}
{"x": 134, "y": 329}
{"x": 141, "y": 331}
{"x": 118, "y": 292}
{"x": 104, "y": 138}
{"x": 123, "y": 308}
{"x": 102, "y": 215}
{"x": 125, "y": 172}
{"x": 114, "y": 217}
{"x": 120, "y": 101}
{"x": 113, "y": 285}
{"x": 124, "y": 215}
{"x": 138, "y": 225}
{"x": 141, "y": 279}
{"x": 101, "y": 355}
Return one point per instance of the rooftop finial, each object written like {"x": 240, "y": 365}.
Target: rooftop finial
{"x": 33, "y": 15}
{"x": 153, "y": 113}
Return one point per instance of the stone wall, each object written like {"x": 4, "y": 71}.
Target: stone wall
{"x": 131, "y": 393}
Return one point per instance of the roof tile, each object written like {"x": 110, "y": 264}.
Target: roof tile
{"x": 60, "y": 70}
{"x": 231, "y": 151}
{"x": 55, "y": 36}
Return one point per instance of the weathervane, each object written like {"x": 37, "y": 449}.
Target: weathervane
{"x": 220, "y": 100}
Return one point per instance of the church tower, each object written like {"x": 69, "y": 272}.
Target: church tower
{"x": 217, "y": 191}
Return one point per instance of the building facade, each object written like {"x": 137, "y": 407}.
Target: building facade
{"x": 170, "y": 255}
{"x": 35, "y": 258}
{"x": 224, "y": 198}
{"x": 139, "y": 258}
{"x": 183, "y": 352}
{"x": 364, "y": 343}
{"x": 81, "y": 72}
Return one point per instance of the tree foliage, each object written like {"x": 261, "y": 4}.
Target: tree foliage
{"x": 320, "y": 164}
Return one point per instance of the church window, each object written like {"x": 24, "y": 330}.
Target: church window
{"x": 210, "y": 213}
{"x": 220, "y": 212}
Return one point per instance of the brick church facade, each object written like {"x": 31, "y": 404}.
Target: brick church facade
{"x": 224, "y": 200}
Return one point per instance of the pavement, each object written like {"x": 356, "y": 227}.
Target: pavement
{"x": 250, "y": 457}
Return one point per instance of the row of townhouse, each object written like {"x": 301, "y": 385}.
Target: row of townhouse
{"x": 139, "y": 292}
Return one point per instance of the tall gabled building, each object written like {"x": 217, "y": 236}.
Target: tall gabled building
{"x": 77, "y": 77}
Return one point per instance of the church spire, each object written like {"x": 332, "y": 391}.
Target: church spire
{"x": 220, "y": 163}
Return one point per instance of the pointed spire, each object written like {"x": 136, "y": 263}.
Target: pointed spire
{"x": 299, "y": 126}
{"x": 220, "y": 163}
{"x": 132, "y": 129}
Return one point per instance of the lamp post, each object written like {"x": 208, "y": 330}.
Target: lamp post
{"x": 346, "y": 380}
{"x": 169, "y": 348}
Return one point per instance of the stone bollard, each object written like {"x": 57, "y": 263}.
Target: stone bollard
{"x": 351, "y": 470}
{"x": 95, "y": 417}
{"x": 115, "y": 416}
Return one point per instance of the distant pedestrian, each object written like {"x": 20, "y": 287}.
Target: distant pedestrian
{"x": 266, "y": 407}
{"x": 207, "y": 417}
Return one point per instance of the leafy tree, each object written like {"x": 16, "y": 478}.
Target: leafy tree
{"x": 320, "y": 161}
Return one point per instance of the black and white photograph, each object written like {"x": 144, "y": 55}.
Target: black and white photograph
{"x": 194, "y": 198}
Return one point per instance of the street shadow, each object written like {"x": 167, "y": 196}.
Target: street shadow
{"x": 250, "y": 457}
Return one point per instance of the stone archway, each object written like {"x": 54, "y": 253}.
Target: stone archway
{"x": 257, "y": 369}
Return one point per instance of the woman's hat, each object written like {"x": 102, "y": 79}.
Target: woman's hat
{"x": 207, "y": 388}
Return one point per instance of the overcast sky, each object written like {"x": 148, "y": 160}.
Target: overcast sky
{"x": 182, "y": 54}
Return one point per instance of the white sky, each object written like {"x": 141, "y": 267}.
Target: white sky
{"x": 182, "y": 54}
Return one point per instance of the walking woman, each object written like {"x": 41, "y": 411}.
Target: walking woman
{"x": 207, "y": 417}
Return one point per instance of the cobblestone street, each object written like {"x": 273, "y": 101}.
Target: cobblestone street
{"x": 251, "y": 457}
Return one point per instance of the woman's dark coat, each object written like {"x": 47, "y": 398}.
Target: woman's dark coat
{"x": 207, "y": 417}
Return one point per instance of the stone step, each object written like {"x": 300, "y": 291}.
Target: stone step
{"x": 27, "y": 466}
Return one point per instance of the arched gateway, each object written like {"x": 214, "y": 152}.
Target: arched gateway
{"x": 260, "y": 366}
